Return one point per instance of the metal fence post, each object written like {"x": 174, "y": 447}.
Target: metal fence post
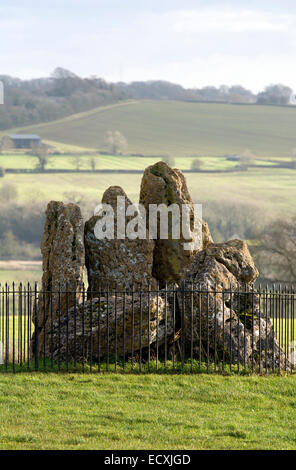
{"x": 183, "y": 323}
{"x": 36, "y": 328}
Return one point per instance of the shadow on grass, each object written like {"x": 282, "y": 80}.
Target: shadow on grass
{"x": 187, "y": 368}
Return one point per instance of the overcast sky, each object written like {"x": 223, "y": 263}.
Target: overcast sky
{"x": 191, "y": 42}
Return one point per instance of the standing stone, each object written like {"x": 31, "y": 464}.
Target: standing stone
{"x": 231, "y": 322}
{"x": 164, "y": 185}
{"x": 120, "y": 261}
{"x": 225, "y": 264}
{"x": 112, "y": 325}
{"x": 63, "y": 267}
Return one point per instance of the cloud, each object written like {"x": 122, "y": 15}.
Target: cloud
{"x": 194, "y": 47}
{"x": 193, "y": 21}
{"x": 252, "y": 72}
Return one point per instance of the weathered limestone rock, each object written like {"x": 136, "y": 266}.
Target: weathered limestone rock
{"x": 63, "y": 265}
{"x": 206, "y": 235}
{"x": 119, "y": 261}
{"x": 232, "y": 322}
{"x": 105, "y": 326}
{"x": 223, "y": 263}
{"x": 164, "y": 185}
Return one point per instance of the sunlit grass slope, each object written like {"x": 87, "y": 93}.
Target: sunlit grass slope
{"x": 181, "y": 128}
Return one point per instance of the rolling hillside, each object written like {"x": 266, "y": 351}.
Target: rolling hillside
{"x": 154, "y": 127}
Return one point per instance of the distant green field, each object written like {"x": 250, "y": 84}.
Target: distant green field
{"x": 274, "y": 191}
{"x": 17, "y": 276}
{"x": 112, "y": 162}
{"x": 179, "y": 128}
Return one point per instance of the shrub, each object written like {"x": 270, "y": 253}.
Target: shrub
{"x": 13, "y": 248}
{"x": 196, "y": 164}
{"x": 116, "y": 142}
{"x": 8, "y": 192}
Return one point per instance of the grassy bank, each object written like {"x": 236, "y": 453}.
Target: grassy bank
{"x": 153, "y": 127}
{"x": 113, "y": 411}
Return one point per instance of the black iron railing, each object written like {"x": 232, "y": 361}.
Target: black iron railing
{"x": 184, "y": 327}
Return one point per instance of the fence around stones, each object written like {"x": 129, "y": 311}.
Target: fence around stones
{"x": 185, "y": 327}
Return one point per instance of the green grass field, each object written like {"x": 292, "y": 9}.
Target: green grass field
{"x": 125, "y": 411}
{"x": 19, "y": 271}
{"x": 153, "y": 127}
{"x": 111, "y": 162}
{"x": 265, "y": 189}
{"x": 17, "y": 276}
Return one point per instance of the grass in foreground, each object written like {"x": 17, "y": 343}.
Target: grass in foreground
{"x": 116, "y": 411}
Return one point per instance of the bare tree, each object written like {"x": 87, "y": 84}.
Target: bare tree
{"x": 6, "y": 144}
{"x": 41, "y": 151}
{"x": 169, "y": 160}
{"x": 276, "y": 253}
{"x": 77, "y": 162}
{"x": 92, "y": 163}
{"x": 247, "y": 158}
{"x": 196, "y": 164}
{"x": 9, "y": 245}
{"x": 116, "y": 142}
{"x": 293, "y": 158}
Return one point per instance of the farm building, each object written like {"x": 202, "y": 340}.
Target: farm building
{"x": 233, "y": 158}
{"x": 25, "y": 141}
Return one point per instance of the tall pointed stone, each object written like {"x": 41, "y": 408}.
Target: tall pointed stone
{"x": 63, "y": 267}
{"x": 164, "y": 185}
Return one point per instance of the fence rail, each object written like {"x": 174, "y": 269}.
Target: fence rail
{"x": 184, "y": 327}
